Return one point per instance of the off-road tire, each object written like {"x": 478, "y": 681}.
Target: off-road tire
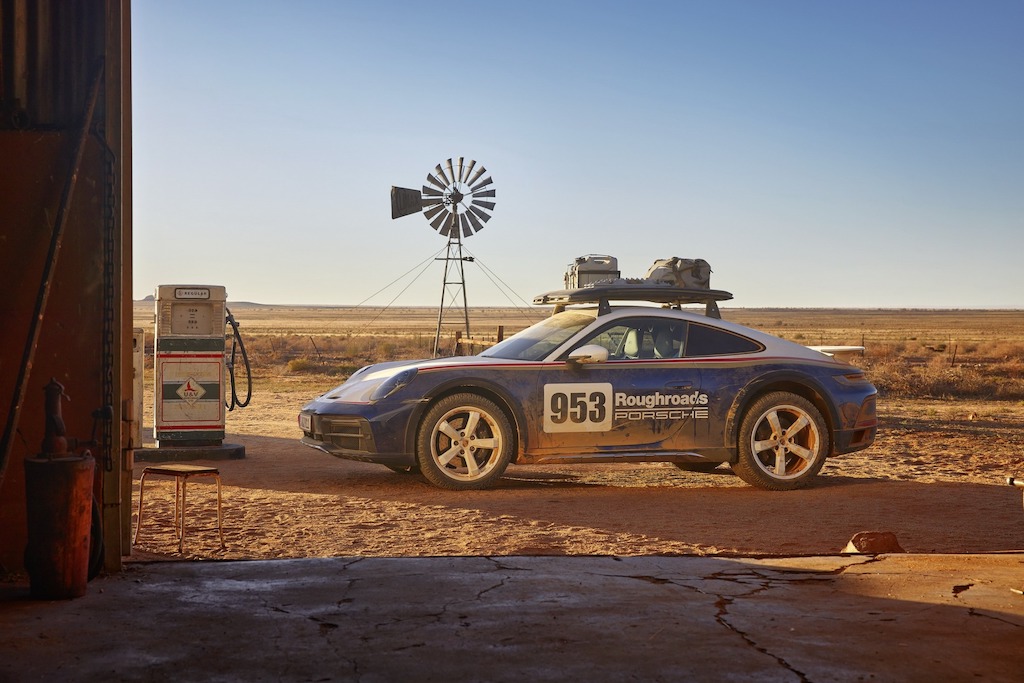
{"x": 465, "y": 441}
{"x": 783, "y": 442}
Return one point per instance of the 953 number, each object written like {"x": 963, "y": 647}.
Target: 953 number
{"x": 577, "y": 407}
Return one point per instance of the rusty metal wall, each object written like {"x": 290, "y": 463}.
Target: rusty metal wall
{"x": 46, "y": 44}
{"x": 50, "y": 54}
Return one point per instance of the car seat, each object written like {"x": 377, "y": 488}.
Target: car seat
{"x": 631, "y": 346}
{"x": 663, "y": 344}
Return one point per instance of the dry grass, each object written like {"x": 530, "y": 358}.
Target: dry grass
{"x": 335, "y": 354}
{"x": 944, "y": 374}
{"x": 915, "y": 353}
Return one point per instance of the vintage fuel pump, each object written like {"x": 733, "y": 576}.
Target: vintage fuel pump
{"x": 193, "y": 376}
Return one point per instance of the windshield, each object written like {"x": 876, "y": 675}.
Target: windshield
{"x": 538, "y": 341}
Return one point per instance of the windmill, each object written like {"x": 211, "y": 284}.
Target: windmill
{"x": 454, "y": 202}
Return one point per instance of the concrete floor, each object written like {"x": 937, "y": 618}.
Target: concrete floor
{"x": 838, "y": 618}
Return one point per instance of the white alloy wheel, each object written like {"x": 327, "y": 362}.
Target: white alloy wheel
{"x": 783, "y": 442}
{"x": 465, "y": 442}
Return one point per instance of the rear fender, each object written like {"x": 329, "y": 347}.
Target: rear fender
{"x": 780, "y": 380}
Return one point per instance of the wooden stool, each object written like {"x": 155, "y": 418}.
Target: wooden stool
{"x": 181, "y": 474}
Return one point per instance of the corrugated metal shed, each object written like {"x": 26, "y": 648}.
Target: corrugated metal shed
{"x": 65, "y": 245}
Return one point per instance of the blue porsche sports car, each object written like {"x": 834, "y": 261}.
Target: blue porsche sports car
{"x": 604, "y": 383}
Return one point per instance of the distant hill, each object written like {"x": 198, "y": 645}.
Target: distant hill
{"x": 237, "y": 304}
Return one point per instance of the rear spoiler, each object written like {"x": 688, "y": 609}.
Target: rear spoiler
{"x": 840, "y": 353}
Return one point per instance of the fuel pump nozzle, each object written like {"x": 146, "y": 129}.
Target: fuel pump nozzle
{"x": 55, "y": 442}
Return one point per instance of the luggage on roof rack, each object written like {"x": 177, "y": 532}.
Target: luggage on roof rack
{"x": 681, "y": 272}
{"x": 590, "y": 269}
{"x": 634, "y": 290}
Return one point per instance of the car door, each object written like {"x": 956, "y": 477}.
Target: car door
{"x": 644, "y": 397}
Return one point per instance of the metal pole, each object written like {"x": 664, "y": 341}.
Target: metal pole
{"x": 444, "y": 290}
{"x": 462, "y": 279}
{"x": 454, "y": 253}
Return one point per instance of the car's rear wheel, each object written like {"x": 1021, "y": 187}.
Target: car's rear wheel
{"x": 783, "y": 442}
{"x": 465, "y": 441}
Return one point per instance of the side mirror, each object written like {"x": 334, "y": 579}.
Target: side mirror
{"x": 591, "y": 353}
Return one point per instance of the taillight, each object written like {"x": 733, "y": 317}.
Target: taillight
{"x": 867, "y": 417}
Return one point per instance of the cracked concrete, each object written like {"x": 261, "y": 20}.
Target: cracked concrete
{"x": 837, "y": 618}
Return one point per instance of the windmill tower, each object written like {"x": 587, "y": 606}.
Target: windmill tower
{"x": 454, "y": 202}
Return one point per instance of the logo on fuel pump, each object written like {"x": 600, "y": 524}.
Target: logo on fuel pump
{"x": 190, "y": 391}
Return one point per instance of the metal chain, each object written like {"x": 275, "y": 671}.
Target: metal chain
{"x": 109, "y": 302}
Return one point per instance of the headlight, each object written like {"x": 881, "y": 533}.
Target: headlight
{"x": 393, "y": 384}
{"x": 358, "y": 372}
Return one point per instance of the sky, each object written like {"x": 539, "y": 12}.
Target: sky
{"x": 863, "y": 154}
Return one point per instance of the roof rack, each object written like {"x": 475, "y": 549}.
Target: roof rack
{"x": 602, "y": 294}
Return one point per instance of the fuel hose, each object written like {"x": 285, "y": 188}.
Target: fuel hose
{"x": 231, "y": 400}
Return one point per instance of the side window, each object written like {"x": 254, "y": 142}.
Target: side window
{"x": 615, "y": 340}
{"x": 641, "y": 338}
{"x": 668, "y": 338}
{"x": 703, "y": 340}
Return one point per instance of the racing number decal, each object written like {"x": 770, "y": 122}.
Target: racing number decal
{"x": 577, "y": 407}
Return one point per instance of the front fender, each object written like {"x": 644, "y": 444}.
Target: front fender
{"x": 485, "y": 387}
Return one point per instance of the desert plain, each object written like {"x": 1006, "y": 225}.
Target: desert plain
{"x": 951, "y": 408}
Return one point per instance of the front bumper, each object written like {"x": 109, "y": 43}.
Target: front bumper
{"x": 355, "y": 437}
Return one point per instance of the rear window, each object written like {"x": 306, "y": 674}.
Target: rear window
{"x": 702, "y": 340}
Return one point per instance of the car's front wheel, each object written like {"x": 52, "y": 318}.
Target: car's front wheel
{"x": 783, "y": 442}
{"x": 465, "y": 441}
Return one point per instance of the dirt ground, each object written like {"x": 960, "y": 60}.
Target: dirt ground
{"x": 936, "y": 478}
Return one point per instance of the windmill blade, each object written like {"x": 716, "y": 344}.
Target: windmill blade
{"x": 440, "y": 174}
{"x": 486, "y": 205}
{"x": 467, "y": 229}
{"x": 483, "y": 193}
{"x": 451, "y": 173}
{"x": 428, "y": 202}
{"x": 431, "y": 192}
{"x": 433, "y": 211}
{"x": 451, "y": 225}
{"x": 459, "y": 166}
{"x": 480, "y": 214}
{"x": 404, "y": 202}
{"x": 436, "y": 223}
{"x": 472, "y": 179}
{"x": 433, "y": 180}
{"x": 469, "y": 169}
{"x": 477, "y": 225}
{"x": 482, "y": 184}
